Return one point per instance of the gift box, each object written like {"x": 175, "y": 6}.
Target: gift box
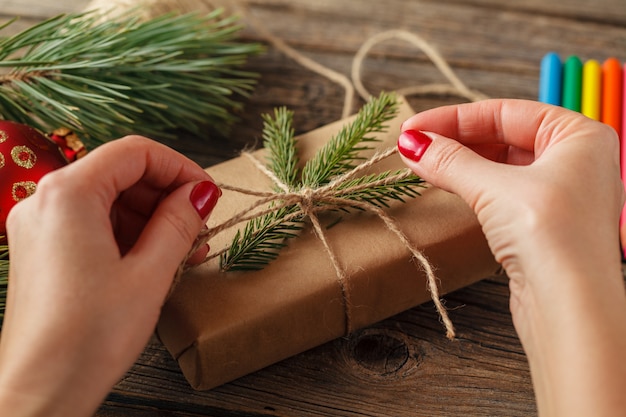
{"x": 222, "y": 325}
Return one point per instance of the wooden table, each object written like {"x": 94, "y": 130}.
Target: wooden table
{"x": 403, "y": 366}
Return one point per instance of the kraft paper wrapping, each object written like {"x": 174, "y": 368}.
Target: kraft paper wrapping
{"x": 222, "y": 325}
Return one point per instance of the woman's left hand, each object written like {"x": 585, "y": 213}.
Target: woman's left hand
{"x": 93, "y": 254}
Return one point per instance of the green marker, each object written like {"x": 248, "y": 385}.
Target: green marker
{"x": 572, "y": 83}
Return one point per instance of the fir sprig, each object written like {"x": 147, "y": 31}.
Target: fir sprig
{"x": 261, "y": 240}
{"x": 342, "y": 151}
{"x": 278, "y": 139}
{"x": 264, "y": 237}
{"x": 374, "y": 190}
{"x": 107, "y": 78}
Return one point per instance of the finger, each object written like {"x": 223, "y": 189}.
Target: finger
{"x": 201, "y": 253}
{"x": 516, "y": 123}
{"x": 448, "y": 164}
{"x": 120, "y": 164}
{"x": 128, "y": 224}
{"x": 171, "y": 231}
{"x": 500, "y": 152}
{"x": 142, "y": 197}
{"x": 199, "y": 256}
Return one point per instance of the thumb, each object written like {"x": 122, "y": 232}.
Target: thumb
{"x": 174, "y": 226}
{"x": 446, "y": 163}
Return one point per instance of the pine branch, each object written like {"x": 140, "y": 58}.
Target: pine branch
{"x": 261, "y": 241}
{"x": 105, "y": 79}
{"x": 340, "y": 153}
{"x": 375, "y": 190}
{"x": 264, "y": 237}
{"x": 278, "y": 135}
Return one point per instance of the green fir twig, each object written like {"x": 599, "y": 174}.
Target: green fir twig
{"x": 342, "y": 151}
{"x": 378, "y": 193}
{"x": 264, "y": 237}
{"x": 278, "y": 139}
{"x": 107, "y": 78}
{"x": 261, "y": 240}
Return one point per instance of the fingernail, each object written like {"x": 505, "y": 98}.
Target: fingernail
{"x": 204, "y": 196}
{"x": 413, "y": 144}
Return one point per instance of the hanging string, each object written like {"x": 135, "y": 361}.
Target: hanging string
{"x": 455, "y": 86}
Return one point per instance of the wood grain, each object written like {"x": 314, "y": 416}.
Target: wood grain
{"x": 403, "y": 366}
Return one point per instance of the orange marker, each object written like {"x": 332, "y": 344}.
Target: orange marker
{"x": 592, "y": 88}
{"x": 612, "y": 94}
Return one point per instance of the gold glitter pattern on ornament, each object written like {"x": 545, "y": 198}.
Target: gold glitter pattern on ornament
{"x": 1, "y": 161}
{"x": 3, "y": 136}
{"x": 23, "y": 156}
{"x": 23, "y": 189}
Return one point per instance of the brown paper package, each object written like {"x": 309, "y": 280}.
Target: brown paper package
{"x": 222, "y": 325}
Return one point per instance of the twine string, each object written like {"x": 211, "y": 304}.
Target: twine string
{"x": 310, "y": 202}
{"x": 455, "y": 87}
{"x": 299, "y": 58}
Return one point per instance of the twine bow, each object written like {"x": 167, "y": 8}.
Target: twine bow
{"x": 310, "y": 202}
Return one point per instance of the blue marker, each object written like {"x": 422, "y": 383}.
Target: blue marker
{"x": 550, "y": 79}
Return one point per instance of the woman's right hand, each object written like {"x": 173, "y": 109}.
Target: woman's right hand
{"x": 545, "y": 184}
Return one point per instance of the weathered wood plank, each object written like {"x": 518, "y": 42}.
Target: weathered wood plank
{"x": 38, "y": 9}
{"x": 469, "y": 36}
{"x": 606, "y": 12}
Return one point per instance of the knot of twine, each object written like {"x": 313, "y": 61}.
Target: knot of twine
{"x": 310, "y": 202}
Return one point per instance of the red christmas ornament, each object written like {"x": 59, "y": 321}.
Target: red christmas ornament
{"x": 26, "y": 155}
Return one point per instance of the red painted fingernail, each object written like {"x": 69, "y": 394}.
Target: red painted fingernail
{"x": 413, "y": 144}
{"x": 204, "y": 196}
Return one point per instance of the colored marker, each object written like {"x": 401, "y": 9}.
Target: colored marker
{"x": 550, "y": 79}
{"x": 572, "y": 83}
{"x": 592, "y": 84}
{"x": 623, "y": 133}
{"x": 623, "y": 158}
{"x": 611, "y": 108}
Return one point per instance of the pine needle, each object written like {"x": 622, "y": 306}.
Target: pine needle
{"x": 105, "y": 79}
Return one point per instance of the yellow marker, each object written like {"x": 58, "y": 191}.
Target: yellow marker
{"x": 592, "y": 89}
